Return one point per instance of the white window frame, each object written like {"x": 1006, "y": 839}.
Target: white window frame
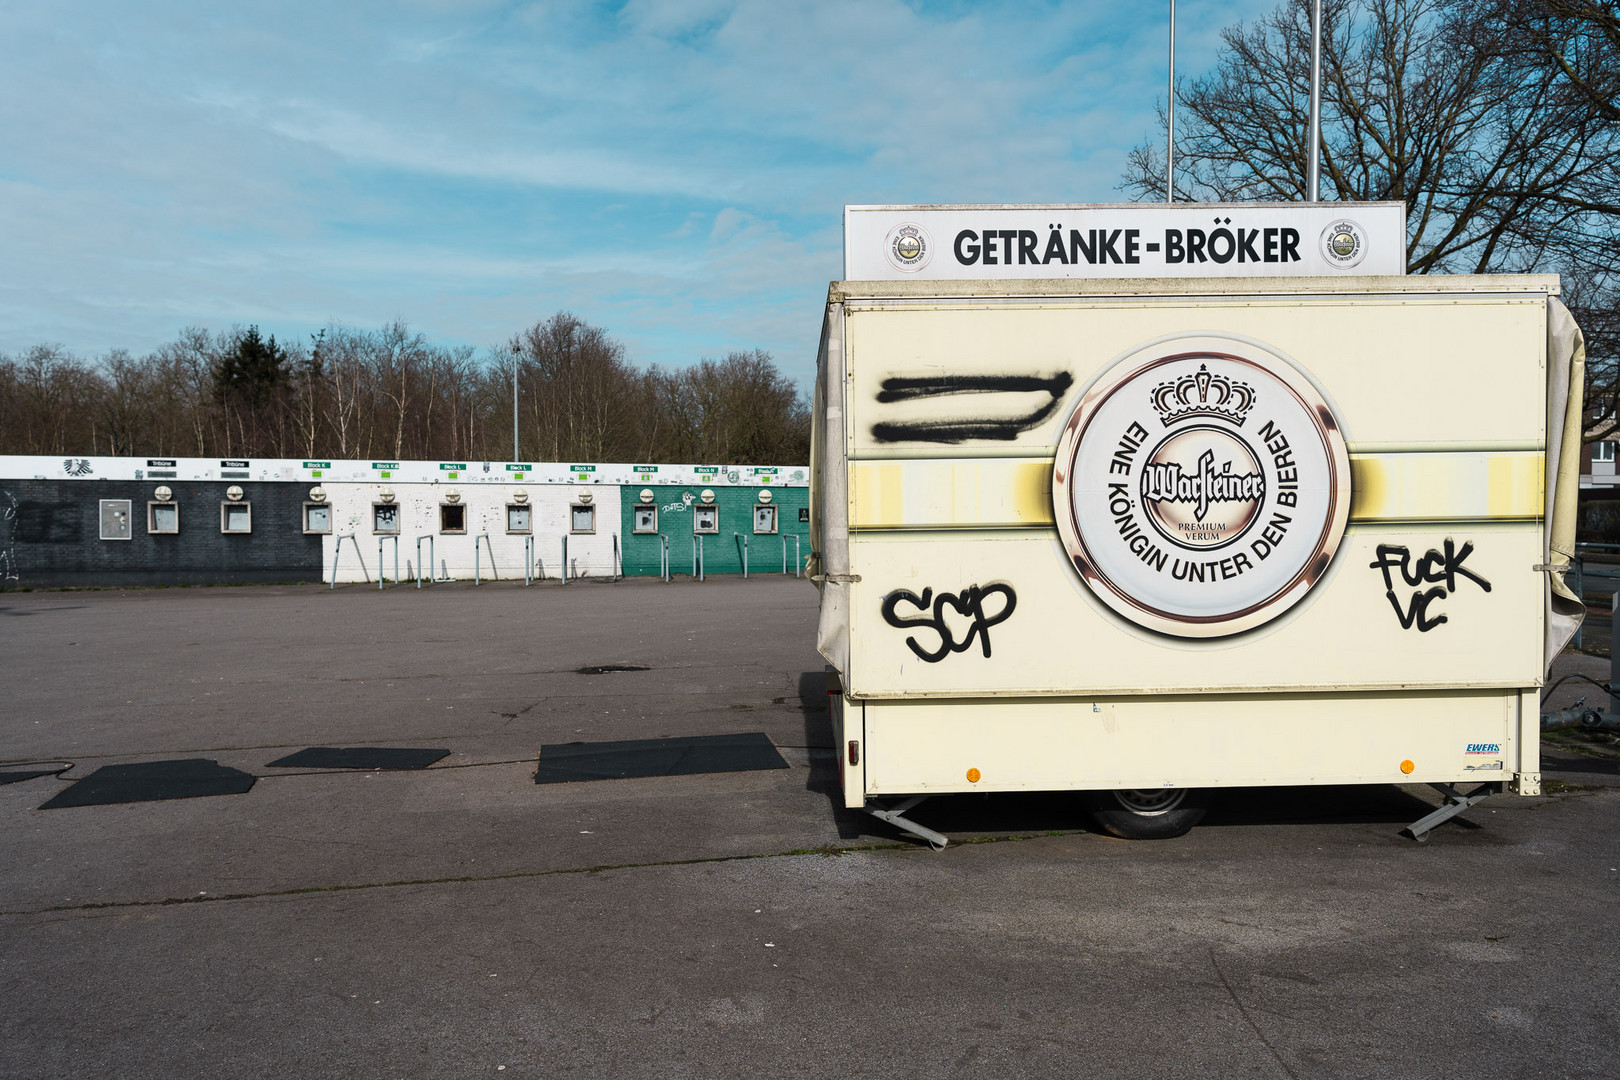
{"x": 225, "y": 508}
{"x": 399, "y": 515}
{"x": 527, "y": 529}
{"x": 589, "y": 508}
{"x": 453, "y": 532}
{"x": 635, "y": 527}
{"x": 318, "y": 532}
{"x": 151, "y": 517}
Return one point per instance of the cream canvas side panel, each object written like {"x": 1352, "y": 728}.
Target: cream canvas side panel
{"x": 1404, "y": 372}
{"x": 920, "y": 747}
{"x": 939, "y": 613}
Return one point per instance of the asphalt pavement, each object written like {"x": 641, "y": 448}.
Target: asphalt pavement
{"x": 465, "y": 921}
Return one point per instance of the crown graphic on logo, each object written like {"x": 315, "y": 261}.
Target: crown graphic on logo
{"x": 1203, "y": 393}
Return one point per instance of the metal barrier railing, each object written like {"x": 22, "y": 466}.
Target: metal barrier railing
{"x": 797, "y": 562}
{"x": 395, "y": 538}
{"x": 697, "y": 556}
{"x": 420, "y": 565}
{"x": 743, "y": 538}
{"x": 528, "y": 559}
{"x": 565, "y": 559}
{"x": 478, "y": 551}
{"x": 337, "y": 554}
{"x": 663, "y": 556}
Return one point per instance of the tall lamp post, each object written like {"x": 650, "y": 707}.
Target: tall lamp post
{"x": 1170, "y": 127}
{"x": 1313, "y": 167}
{"x": 515, "y": 457}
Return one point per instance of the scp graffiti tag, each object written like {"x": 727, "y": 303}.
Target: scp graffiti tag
{"x": 969, "y": 604}
{"x": 1439, "y": 569}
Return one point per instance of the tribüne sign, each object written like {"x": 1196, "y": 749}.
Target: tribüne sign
{"x": 897, "y": 243}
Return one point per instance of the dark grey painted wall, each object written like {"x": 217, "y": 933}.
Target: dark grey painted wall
{"x": 50, "y": 535}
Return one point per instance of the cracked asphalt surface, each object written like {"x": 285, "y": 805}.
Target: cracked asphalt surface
{"x": 464, "y": 921}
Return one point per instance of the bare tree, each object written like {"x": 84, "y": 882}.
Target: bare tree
{"x": 1494, "y": 121}
{"x": 1424, "y": 101}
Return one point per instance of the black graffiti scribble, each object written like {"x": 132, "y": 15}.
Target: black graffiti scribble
{"x": 1433, "y": 568}
{"x": 960, "y": 429}
{"x": 969, "y": 603}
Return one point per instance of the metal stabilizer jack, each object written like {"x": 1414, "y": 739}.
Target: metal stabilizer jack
{"x": 1454, "y": 804}
{"x": 897, "y": 818}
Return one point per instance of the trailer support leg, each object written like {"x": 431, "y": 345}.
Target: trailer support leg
{"x": 897, "y": 818}
{"x": 1454, "y": 804}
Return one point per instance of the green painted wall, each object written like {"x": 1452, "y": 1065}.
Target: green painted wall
{"x": 722, "y": 552}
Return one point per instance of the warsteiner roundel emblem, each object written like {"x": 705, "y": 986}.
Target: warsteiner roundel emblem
{"x": 1201, "y": 486}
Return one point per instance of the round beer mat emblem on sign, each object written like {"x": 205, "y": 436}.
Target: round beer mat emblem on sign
{"x": 907, "y": 248}
{"x": 1201, "y": 487}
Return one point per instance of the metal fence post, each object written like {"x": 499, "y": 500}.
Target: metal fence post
{"x": 420, "y": 565}
{"x": 744, "y": 540}
{"x": 565, "y": 559}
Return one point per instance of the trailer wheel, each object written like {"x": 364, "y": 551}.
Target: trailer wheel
{"x": 1148, "y": 813}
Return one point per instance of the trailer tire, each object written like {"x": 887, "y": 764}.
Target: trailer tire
{"x": 1148, "y": 813}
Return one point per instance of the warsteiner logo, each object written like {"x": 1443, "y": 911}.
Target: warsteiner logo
{"x": 1344, "y": 244}
{"x": 908, "y": 248}
{"x": 1223, "y": 519}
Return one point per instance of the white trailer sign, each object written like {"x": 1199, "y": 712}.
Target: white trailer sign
{"x": 897, "y": 243}
{"x": 1145, "y": 538}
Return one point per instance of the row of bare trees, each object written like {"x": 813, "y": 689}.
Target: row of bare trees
{"x": 1497, "y": 122}
{"x": 390, "y": 393}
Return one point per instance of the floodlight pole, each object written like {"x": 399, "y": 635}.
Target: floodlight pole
{"x": 1313, "y": 169}
{"x": 1170, "y": 130}
{"x": 515, "y": 457}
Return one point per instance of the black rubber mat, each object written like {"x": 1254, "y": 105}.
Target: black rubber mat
{"x": 149, "y": 781}
{"x": 359, "y": 757}
{"x": 26, "y": 774}
{"x": 746, "y": 752}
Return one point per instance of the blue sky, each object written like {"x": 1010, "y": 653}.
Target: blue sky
{"x": 671, "y": 170}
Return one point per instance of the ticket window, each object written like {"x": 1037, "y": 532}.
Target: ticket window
{"x": 115, "y": 524}
{"x": 235, "y": 517}
{"x": 765, "y": 519}
{"x": 645, "y": 519}
{"x": 452, "y": 518}
{"x": 519, "y": 518}
{"x": 163, "y": 517}
{"x": 705, "y": 519}
{"x": 385, "y": 518}
{"x": 581, "y": 519}
{"x": 317, "y": 518}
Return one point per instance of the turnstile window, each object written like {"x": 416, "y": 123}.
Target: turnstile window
{"x": 645, "y": 519}
{"x": 518, "y": 518}
{"x": 705, "y": 519}
{"x": 317, "y": 517}
{"x": 765, "y": 519}
{"x": 235, "y": 517}
{"x": 115, "y": 519}
{"x": 582, "y": 519}
{"x": 162, "y": 517}
{"x": 452, "y": 518}
{"x": 385, "y": 518}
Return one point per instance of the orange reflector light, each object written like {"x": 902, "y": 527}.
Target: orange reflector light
{"x": 973, "y": 776}
{"x": 1407, "y": 766}
{"x": 854, "y": 753}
